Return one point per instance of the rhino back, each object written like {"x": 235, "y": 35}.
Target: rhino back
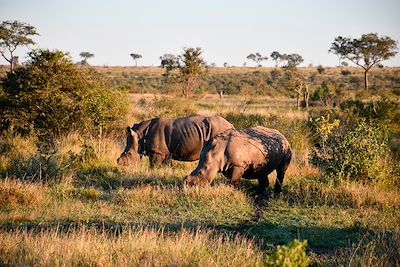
{"x": 188, "y": 137}
{"x": 257, "y": 149}
{"x": 183, "y": 138}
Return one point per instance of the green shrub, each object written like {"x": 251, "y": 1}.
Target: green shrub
{"x": 51, "y": 96}
{"x": 326, "y": 92}
{"x": 294, "y": 254}
{"x": 243, "y": 121}
{"x": 345, "y": 72}
{"x": 382, "y": 110}
{"x": 20, "y": 158}
{"x": 172, "y": 107}
{"x": 355, "y": 153}
{"x": 320, "y": 69}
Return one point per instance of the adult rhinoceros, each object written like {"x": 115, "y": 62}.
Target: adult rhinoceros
{"x": 252, "y": 153}
{"x": 163, "y": 139}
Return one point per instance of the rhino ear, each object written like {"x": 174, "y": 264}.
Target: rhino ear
{"x": 128, "y": 130}
{"x": 132, "y": 132}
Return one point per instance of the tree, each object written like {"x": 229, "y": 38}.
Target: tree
{"x": 276, "y": 56}
{"x": 336, "y": 46}
{"x": 297, "y": 83}
{"x": 135, "y": 57}
{"x": 85, "y": 56}
{"x": 320, "y": 69}
{"x": 12, "y": 35}
{"x": 293, "y": 60}
{"x": 257, "y": 57}
{"x": 365, "y": 52}
{"x": 51, "y": 96}
{"x": 169, "y": 62}
{"x": 191, "y": 66}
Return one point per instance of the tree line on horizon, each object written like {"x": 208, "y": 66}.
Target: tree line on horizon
{"x": 365, "y": 52}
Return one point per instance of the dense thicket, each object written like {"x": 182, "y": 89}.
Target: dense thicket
{"x": 51, "y": 96}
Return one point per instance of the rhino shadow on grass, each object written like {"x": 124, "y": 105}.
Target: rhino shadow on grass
{"x": 111, "y": 180}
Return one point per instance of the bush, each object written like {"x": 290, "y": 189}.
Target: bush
{"x": 320, "y": 69}
{"x": 355, "y": 153}
{"x": 345, "y": 72}
{"x": 326, "y": 92}
{"x": 243, "y": 121}
{"x": 51, "y": 96}
{"x": 168, "y": 107}
{"x": 293, "y": 254}
{"x": 21, "y": 159}
{"x": 382, "y": 110}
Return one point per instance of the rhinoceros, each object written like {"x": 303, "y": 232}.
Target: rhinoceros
{"x": 163, "y": 139}
{"x": 252, "y": 153}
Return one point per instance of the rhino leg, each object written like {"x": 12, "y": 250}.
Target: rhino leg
{"x": 237, "y": 173}
{"x": 280, "y": 171}
{"x": 263, "y": 184}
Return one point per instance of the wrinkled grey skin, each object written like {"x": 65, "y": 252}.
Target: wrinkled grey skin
{"x": 252, "y": 153}
{"x": 164, "y": 139}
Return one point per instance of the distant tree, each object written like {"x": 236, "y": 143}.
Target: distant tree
{"x": 257, "y": 58}
{"x": 85, "y": 56}
{"x": 293, "y": 60}
{"x": 226, "y": 64}
{"x": 251, "y": 57}
{"x": 12, "y": 35}
{"x": 339, "y": 42}
{"x": 135, "y": 57}
{"x": 320, "y": 69}
{"x": 213, "y": 65}
{"x": 344, "y": 64}
{"x": 297, "y": 82}
{"x": 169, "y": 62}
{"x": 276, "y": 56}
{"x": 190, "y": 66}
{"x": 366, "y": 51}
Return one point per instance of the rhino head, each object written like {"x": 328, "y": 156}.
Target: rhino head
{"x": 130, "y": 155}
{"x": 212, "y": 160}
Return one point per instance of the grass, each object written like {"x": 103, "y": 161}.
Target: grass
{"x": 143, "y": 247}
{"x": 93, "y": 212}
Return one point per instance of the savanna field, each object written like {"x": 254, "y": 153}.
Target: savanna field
{"x": 64, "y": 201}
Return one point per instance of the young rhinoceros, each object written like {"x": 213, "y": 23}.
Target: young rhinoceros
{"x": 252, "y": 153}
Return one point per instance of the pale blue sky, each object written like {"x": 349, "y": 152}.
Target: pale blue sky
{"x": 227, "y": 31}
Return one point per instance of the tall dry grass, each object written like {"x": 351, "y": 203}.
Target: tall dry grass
{"x": 143, "y": 247}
